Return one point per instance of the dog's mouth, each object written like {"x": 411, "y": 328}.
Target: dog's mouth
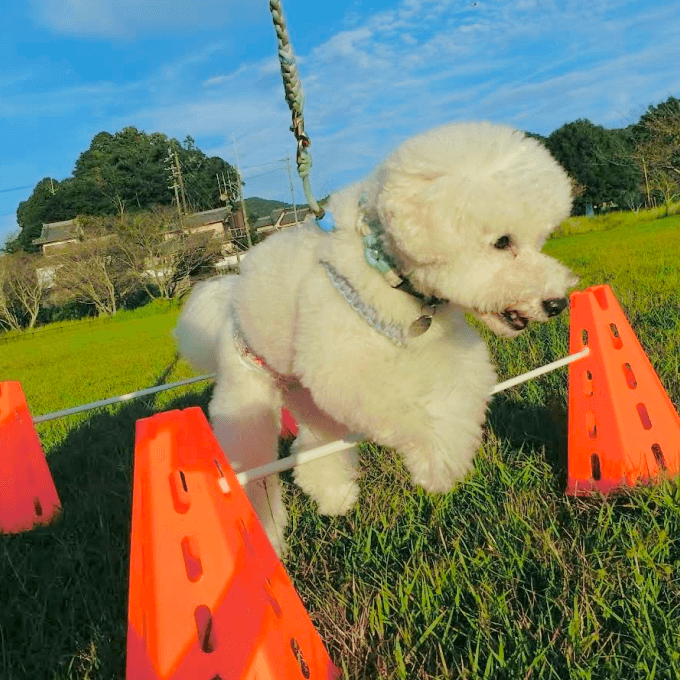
{"x": 513, "y": 319}
{"x": 507, "y": 323}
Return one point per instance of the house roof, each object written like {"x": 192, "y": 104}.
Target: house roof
{"x": 58, "y": 231}
{"x": 289, "y": 217}
{"x": 264, "y": 222}
{"x": 199, "y": 240}
{"x": 53, "y": 232}
{"x": 206, "y": 217}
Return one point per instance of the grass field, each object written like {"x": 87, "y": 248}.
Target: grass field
{"x": 504, "y": 577}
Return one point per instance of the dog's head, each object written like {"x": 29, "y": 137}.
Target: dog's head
{"x": 466, "y": 209}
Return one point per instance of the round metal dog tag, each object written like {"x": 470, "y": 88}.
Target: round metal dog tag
{"x": 419, "y": 326}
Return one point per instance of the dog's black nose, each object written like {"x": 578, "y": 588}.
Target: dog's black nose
{"x": 554, "y": 306}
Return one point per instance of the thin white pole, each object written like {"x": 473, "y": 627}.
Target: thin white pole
{"x": 541, "y": 370}
{"x": 298, "y": 459}
{"x": 115, "y": 400}
{"x": 347, "y": 443}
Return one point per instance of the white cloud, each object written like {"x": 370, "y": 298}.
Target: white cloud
{"x": 221, "y": 80}
{"x": 370, "y": 86}
{"x": 125, "y": 18}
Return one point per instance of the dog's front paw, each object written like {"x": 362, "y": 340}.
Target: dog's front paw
{"x": 337, "y": 500}
{"x": 437, "y": 475}
{"x": 331, "y": 482}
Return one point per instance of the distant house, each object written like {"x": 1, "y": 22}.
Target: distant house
{"x": 202, "y": 222}
{"x": 281, "y": 218}
{"x": 220, "y": 223}
{"x": 55, "y": 236}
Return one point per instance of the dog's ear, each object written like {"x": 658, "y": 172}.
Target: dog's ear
{"x": 408, "y": 209}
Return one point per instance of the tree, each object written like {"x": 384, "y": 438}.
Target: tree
{"x": 597, "y": 158}
{"x": 33, "y": 212}
{"x": 666, "y": 185}
{"x": 28, "y": 287}
{"x": 94, "y": 273}
{"x": 657, "y": 150}
{"x": 160, "y": 254}
{"x": 23, "y": 290}
{"x": 10, "y": 315}
{"x": 12, "y": 244}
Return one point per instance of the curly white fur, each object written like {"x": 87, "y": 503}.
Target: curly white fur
{"x": 445, "y": 200}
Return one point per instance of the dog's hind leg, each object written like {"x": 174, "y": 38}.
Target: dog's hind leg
{"x": 332, "y": 480}
{"x": 245, "y": 411}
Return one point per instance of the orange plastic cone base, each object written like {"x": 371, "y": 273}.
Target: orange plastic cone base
{"x": 623, "y": 428}
{"x": 27, "y": 493}
{"x": 208, "y": 596}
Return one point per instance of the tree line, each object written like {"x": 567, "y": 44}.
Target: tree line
{"x": 130, "y": 171}
{"x": 626, "y": 168}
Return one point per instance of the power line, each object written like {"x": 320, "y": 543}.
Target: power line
{"x": 198, "y": 190}
{"x": 261, "y": 165}
{"x": 264, "y": 173}
{"x": 4, "y": 191}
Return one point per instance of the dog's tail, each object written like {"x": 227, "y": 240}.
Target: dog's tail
{"x": 202, "y": 319}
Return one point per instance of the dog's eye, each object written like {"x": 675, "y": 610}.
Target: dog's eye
{"x": 503, "y": 243}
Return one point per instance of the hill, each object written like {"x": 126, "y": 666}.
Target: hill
{"x": 262, "y": 207}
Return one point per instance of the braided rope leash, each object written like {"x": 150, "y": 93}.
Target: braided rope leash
{"x": 296, "y": 99}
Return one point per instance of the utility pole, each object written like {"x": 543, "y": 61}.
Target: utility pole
{"x": 181, "y": 184}
{"x": 174, "y": 185}
{"x": 224, "y": 196}
{"x": 240, "y": 190}
{"x": 222, "y": 188}
{"x": 229, "y": 188}
{"x": 292, "y": 190}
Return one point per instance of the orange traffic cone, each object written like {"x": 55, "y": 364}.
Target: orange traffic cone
{"x": 623, "y": 428}
{"x": 27, "y": 493}
{"x": 208, "y": 596}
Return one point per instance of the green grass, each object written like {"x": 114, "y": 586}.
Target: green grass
{"x": 159, "y": 306}
{"x": 612, "y": 220}
{"x": 504, "y": 577}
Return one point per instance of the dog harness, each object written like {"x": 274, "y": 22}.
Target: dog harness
{"x": 253, "y": 361}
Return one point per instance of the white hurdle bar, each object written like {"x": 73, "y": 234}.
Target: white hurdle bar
{"x": 305, "y": 456}
{"x": 115, "y": 400}
{"x": 343, "y": 444}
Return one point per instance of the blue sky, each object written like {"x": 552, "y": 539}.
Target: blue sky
{"x": 374, "y": 73}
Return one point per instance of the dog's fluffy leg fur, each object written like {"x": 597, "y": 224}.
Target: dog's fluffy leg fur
{"x": 245, "y": 411}
{"x": 442, "y": 451}
{"x": 332, "y": 480}
{"x": 203, "y": 317}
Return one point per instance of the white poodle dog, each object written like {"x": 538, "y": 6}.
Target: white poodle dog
{"x": 362, "y": 329}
